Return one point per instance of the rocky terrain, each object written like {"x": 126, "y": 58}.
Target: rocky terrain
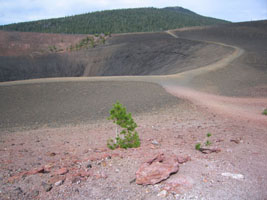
{"x": 53, "y": 131}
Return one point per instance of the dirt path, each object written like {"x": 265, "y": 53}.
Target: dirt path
{"x": 236, "y": 108}
{"x": 236, "y": 124}
{"x": 245, "y": 108}
{"x": 171, "y": 33}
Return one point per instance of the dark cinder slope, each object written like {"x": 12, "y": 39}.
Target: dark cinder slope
{"x": 247, "y": 75}
{"x": 33, "y": 105}
{"x": 130, "y": 54}
{"x": 57, "y": 104}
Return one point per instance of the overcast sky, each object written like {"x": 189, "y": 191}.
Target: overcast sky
{"x": 12, "y": 11}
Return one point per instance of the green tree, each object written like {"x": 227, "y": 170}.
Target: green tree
{"x": 128, "y": 137}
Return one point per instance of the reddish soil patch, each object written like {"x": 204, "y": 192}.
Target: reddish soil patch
{"x": 176, "y": 130}
{"x": 22, "y": 43}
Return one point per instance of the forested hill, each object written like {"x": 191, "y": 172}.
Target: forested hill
{"x": 118, "y": 21}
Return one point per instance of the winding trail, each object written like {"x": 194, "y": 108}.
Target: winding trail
{"x": 176, "y": 84}
{"x": 248, "y": 109}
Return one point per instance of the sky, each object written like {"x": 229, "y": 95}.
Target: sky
{"x": 13, "y": 11}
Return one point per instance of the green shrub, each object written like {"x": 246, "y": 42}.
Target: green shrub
{"x": 264, "y": 112}
{"x": 92, "y": 43}
{"x": 198, "y": 146}
{"x": 207, "y": 143}
{"x": 128, "y": 137}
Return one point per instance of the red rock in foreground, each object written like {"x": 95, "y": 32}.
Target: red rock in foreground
{"x": 157, "y": 169}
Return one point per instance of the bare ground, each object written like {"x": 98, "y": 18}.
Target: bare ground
{"x": 242, "y": 147}
{"x": 238, "y": 129}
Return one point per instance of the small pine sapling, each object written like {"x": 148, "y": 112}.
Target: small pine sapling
{"x": 128, "y": 137}
{"x": 198, "y": 146}
{"x": 207, "y": 143}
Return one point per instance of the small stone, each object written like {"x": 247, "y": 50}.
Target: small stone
{"x": 19, "y": 190}
{"x": 36, "y": 171}
{"x": 84, "y": 173}
{"x": 76, "y": 180}
{"x": 51, "y": 154}
{"x": 163, "y": 193}
{"x": 117, "y": 170}
{"x": 234, "y": 176}
{"x": 89, "y": 165}
{"x": 35, "y": 193}
{"x": 85, "y": 151}
{"x": 183, "y": 159}
{"x": 58, "y": 183}
{"x": 104, "y": 164}
{"x": 155, "y": 142}
{"x": 47, "y": 187}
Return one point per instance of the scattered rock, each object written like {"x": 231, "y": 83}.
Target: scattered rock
{"x": 76, "y": 180}
{"x": 86, "y": 151}
{"x": 12, "y": 179}
{"x": 88, "y": 165}
{"x": 208, "y": 151}
{"x": 162, "y": 194}
{"x": 104, "y": 164}
{"x": 61, "y": 171}
{"x": 57, "y": 178}
{"x": 19, "y": 191}
{"x": 48, "y": 167}
{"x": 234, "y": 176}
{"x": 157, "y": 169}
{"x": 237, "y": 141}
{"x": 99, "y": 156}
{"x": 183, "y": 159}
{"x": 51, "y": 154}
{"x": 36, "y": 171}
{"x": 58, "y": 183}
{"x": 24, "y": 174}
{"x": 98, "y": 175}
{"x": 35, "y": 193}
{"x": 155, "y": 142}
{"x": 84, "y": 173}
{"x": 47, "y": 187}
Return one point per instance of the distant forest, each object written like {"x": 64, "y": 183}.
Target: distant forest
{"x": 118, "y": 21}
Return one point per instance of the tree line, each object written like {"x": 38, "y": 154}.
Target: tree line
{"x": 117, "y": 21}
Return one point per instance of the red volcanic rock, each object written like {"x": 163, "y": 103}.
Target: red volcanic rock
{"x": 183, "y": 159}
{"x": 157, "y": 169}
{"x": 36, "y": 171}
{"x": 27, "y": 173}
{"x": 61, "y": 171}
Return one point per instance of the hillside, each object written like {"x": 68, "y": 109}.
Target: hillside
{"x": 117, "y": 21}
